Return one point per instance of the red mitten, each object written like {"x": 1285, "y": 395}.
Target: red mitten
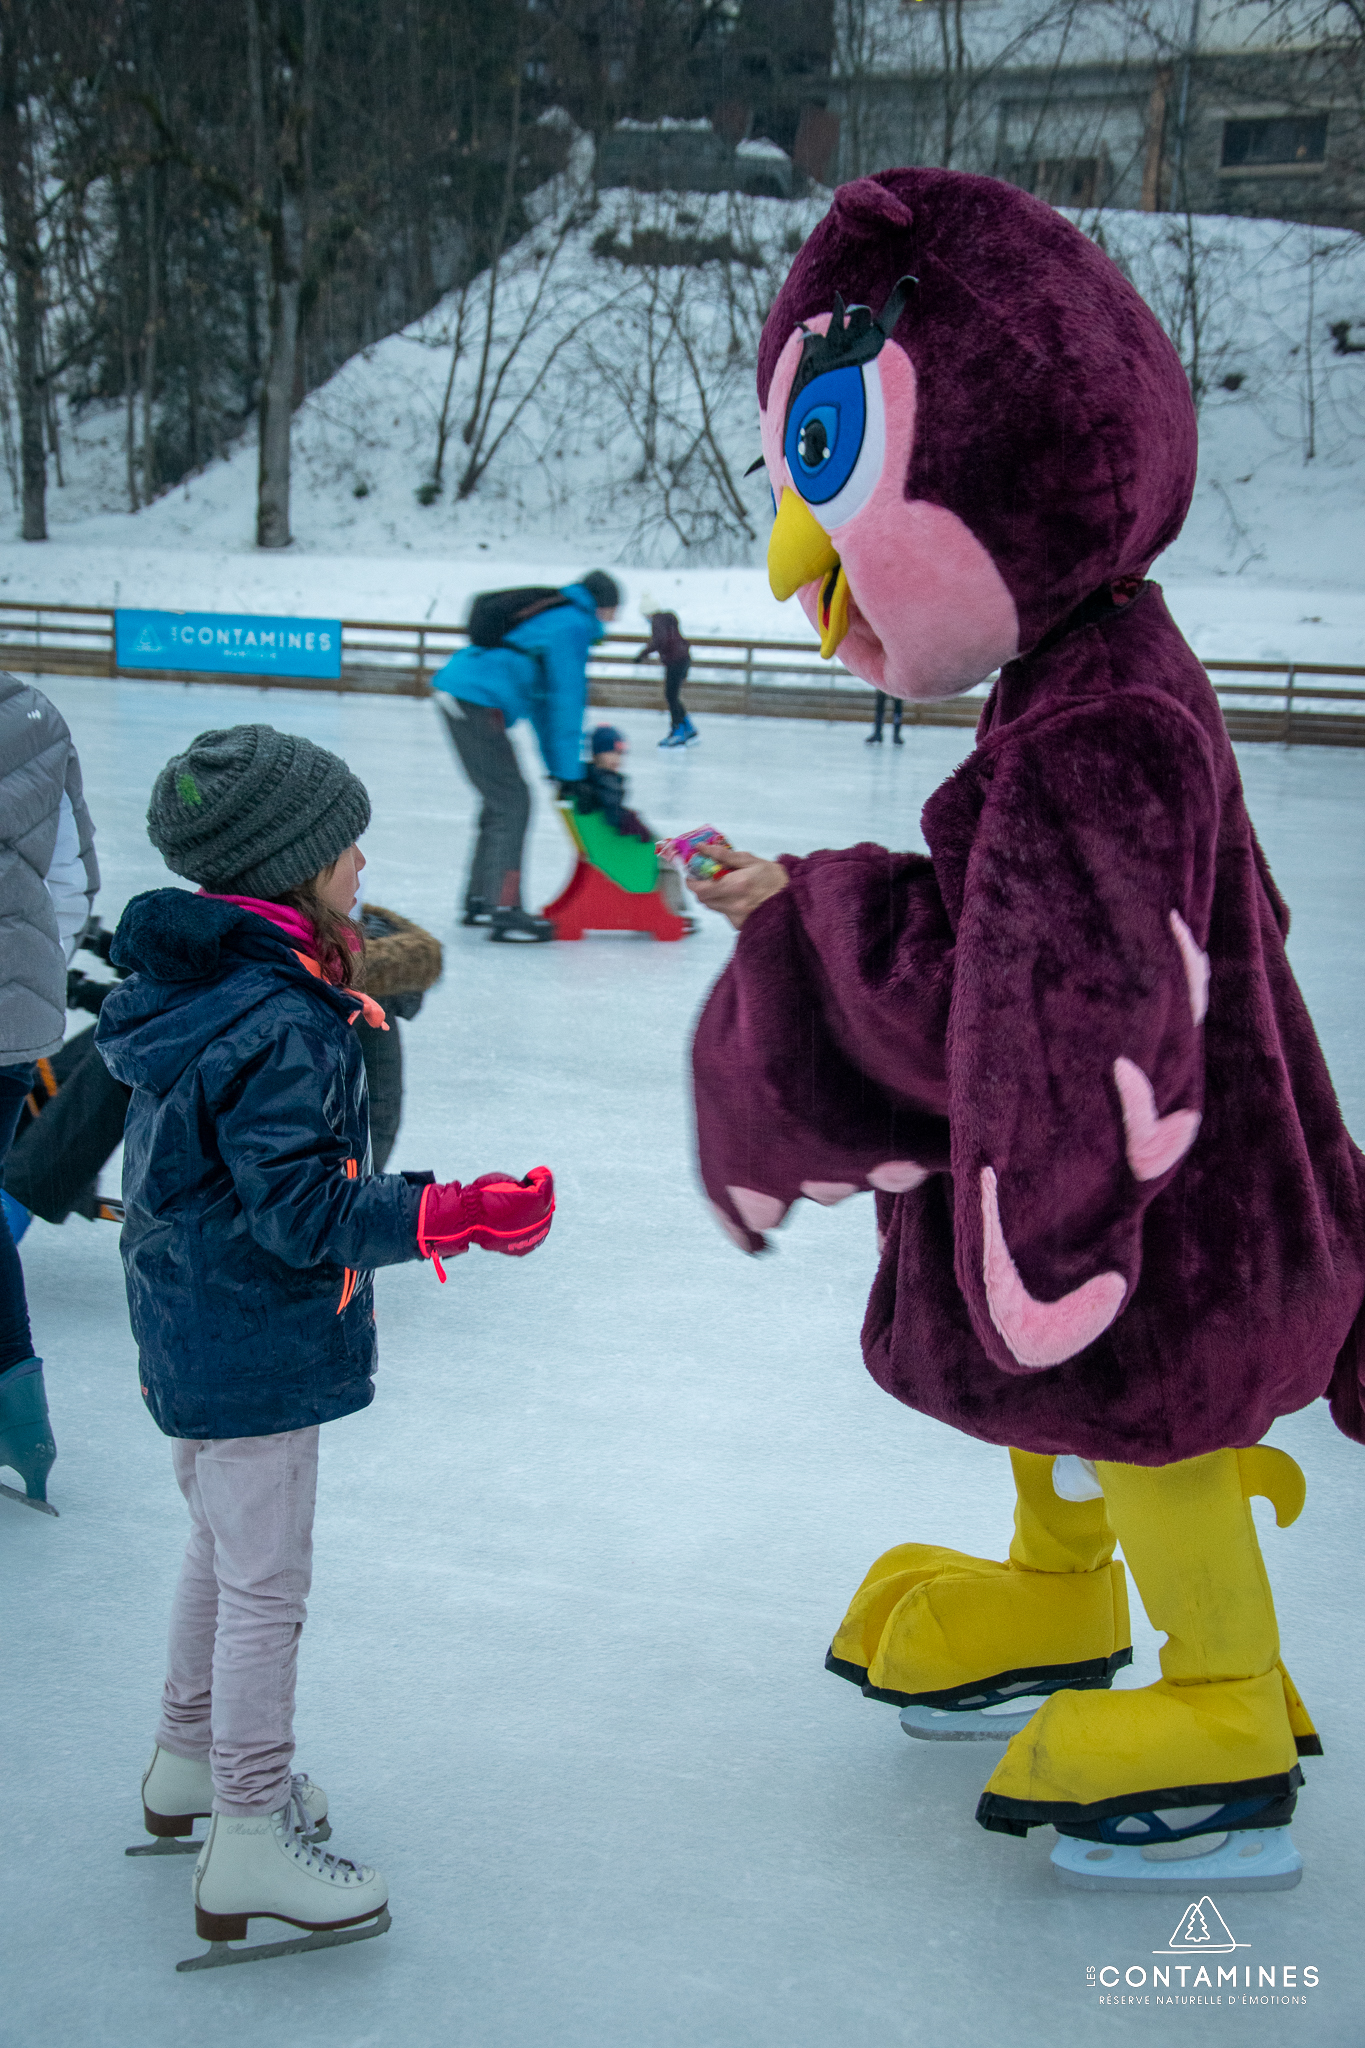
{"x": 495, "y": 1212}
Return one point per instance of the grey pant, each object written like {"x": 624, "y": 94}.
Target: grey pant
{"x": 239, "y": 1611}
{"x": 489, "y": 759}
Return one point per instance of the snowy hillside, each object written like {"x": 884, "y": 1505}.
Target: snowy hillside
{"x": 616, "y": 417}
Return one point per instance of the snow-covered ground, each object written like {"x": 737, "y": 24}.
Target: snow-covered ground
{"x": 1265, "y": 299}
{"x": 1268, "y": 567}
{"x": 578, "y": 1565}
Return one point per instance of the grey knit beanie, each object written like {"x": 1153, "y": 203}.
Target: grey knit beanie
{"x": 254, "y": 812}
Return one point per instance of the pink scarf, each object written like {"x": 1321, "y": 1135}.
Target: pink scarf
{"x": 295, "y": 926}
{"x": 292, "y": 923}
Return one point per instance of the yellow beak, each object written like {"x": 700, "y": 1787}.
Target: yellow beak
{"x": 801, "y": 552}
{"x": 799, "y": 549}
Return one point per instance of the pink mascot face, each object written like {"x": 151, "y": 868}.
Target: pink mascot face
{"x": 907, "y": 595}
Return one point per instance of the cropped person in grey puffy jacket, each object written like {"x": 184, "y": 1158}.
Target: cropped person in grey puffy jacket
{"x": 48, "y": 881}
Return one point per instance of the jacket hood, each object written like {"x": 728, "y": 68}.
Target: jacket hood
{"x": 196, "y": 966}
{"x": 586, "y": 602}
{"x": 1051, "y": 415}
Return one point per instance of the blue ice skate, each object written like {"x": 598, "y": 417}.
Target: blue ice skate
{"x": 26, "y": 1433}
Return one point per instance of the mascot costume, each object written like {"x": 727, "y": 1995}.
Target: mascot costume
{"x": 1122, "y": 1224}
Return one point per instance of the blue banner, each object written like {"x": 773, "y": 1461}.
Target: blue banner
{"x": 228, "y": 643}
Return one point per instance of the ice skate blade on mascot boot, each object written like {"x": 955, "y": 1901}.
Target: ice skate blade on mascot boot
{"x": 953, "y": 1639}
{"x": 1220, "y": 1733}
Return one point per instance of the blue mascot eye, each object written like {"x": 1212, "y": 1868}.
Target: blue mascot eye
{"x": 825, "y": 430}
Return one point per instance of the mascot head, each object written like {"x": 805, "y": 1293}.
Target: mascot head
{"x": 971, "y": 422}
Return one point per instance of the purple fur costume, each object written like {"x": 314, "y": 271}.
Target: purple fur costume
{"x": 1120, "y": 1212}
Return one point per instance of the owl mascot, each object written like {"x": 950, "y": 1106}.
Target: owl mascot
{"x": 1121, "y": 1220}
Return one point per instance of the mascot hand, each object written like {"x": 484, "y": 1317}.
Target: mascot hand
{"x": 751, "y": 881}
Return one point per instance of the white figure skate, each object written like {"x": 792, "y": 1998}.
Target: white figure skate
{"x": 260, "y": 1866}
{"x": 178, "y": 1790}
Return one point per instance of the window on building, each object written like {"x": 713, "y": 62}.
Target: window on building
{"x": 1067, "y": 180}
{"x": 1271, "y": 145}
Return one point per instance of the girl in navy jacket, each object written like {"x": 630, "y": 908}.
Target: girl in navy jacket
{"x": 253, "y": 1226}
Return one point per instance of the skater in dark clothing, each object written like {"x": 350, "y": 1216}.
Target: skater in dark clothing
{"x": 666, "y": 641}
{"x": 72, "y": 1118}
{"x": 401, "y": 963}
{"x": 874, "y": 738}
{"x": 537, "y": 671}
{"x": 602, "y": 787}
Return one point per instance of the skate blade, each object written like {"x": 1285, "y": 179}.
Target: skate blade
{"x": 219, "y": 1954}
{"x": 1252, "y": 1860}
{"x": 969, "y": 1724}
{"x": 26, "y": 1500}
{"x": 190, "y": 1845}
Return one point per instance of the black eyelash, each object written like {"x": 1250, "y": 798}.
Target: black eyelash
{"x": 854, "y": 337}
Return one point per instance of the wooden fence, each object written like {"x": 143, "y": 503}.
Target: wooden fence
{"x": 1303, "y": 703}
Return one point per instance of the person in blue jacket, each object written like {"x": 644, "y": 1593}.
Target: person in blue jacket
{"x": 253, "y": 1224}
{"x": 538, "y": 671}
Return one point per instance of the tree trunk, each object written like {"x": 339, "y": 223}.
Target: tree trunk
{"x": 150, "y": 333}
{"x": 285, "y": 68}
{"x": 277, "y": 385}
{"x": 22, "y": 255}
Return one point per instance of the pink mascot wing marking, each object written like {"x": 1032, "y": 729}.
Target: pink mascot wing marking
{"x": 1196, "y": 965}
{"x": 729, "y": 1226}
{"x": 760, "y": 1212}
{"x": 828, "y": 1192}
{"x": 898, "y": 1176}
{"x": 1040, "y": 1333}
{"x": 1154, "y": 1143}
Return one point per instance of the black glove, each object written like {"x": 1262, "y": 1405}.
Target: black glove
{"x": 83, "y": 992}
{"x": 569, "y": 792}
{"x": 95, "y": 939}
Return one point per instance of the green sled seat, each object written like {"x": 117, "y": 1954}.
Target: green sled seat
{"x": 614, "y": 886}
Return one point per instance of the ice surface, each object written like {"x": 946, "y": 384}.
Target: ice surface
{"x": 578, "y": 1565}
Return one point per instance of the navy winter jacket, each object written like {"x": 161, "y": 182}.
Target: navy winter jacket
{"x": 252, "y": 1215}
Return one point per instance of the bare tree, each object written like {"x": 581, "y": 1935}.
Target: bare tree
{"x": 23, "y": 257}
{"x": 282, "y": 52}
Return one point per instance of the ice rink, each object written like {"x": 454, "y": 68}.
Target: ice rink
{"x": 578, "y": 1565}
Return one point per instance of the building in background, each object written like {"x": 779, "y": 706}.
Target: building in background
{"x": 1217, "y": 107}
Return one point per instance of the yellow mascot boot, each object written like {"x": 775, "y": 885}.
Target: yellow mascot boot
{"x": 1194, "y": 1777}
{"x": 960, "y": 1642}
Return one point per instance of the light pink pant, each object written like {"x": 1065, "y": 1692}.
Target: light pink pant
{"x": 239, "y": 1611}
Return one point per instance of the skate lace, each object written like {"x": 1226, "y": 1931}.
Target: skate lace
{"x": 295, "y": 1824}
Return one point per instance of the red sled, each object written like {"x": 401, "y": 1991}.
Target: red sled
{"x": 592, "y": 901}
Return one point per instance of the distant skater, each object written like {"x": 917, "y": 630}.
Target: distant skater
{"x": 874, "y": 738}
{"x": 527, "y": 658}
{"x": 666, "y": 641}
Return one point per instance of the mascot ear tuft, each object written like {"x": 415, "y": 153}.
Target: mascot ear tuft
{"x": 866, "y": 209}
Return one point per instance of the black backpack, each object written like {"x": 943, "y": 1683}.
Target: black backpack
{"x": 495, "y": 613}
